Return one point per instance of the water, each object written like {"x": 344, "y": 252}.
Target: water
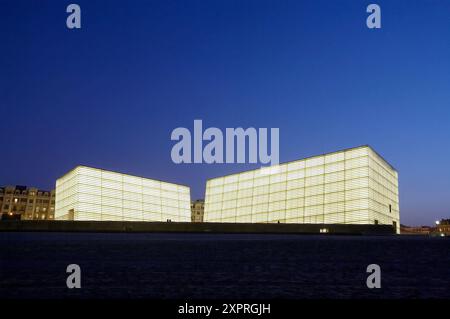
{"x": 198, "y": 266}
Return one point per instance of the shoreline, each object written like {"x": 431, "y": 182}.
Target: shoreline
{"x": 188, "y": 227}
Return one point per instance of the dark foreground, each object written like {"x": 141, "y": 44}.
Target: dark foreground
{"x": 199, "y": 266}
{"x": 188, "y": 227}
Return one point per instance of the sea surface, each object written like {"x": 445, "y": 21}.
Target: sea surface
{"x": 199, "y": 266}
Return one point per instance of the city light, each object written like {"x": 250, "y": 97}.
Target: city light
{"x": 352, "y": 186}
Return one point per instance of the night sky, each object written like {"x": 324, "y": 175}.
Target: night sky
{"x": 110, "y": 94}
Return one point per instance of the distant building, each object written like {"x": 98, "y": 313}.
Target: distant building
{"x": 26, "y": 203}
{"x": 197, "y": 211}
{"x": 87, "y": 193}
{"x": 415, "y": 230}
{"x": 443, "y": 227}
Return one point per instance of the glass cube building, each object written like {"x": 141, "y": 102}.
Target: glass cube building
{"x": 352, "y": 186}
{"x": 87, "y": 193}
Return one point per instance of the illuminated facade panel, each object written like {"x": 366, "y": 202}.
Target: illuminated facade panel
{"x": 87, "y": 193}
{"x": 354, "y": 186}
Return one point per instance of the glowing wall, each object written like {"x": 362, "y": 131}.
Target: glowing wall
{"x": 87, "y": 193}
{"x": 354, "y": 186}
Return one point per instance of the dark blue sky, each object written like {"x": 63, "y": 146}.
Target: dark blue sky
{"x": 110, "y": 94}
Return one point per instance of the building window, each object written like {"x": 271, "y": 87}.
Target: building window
{"x": 390, "y": 208}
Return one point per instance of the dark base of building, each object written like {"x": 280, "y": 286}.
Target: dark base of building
{"x": 187, "y": 227}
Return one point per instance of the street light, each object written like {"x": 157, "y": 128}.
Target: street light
{"x": 439, "y": 230}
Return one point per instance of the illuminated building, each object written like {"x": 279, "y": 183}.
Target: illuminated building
{"x": 26, "y": 203}
{"x": 352, "y": 186}
{"x": 87, "y": 193}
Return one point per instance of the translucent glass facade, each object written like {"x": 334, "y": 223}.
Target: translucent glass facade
{"x": 87, "y": 193}
{"x": 354, "y": 186}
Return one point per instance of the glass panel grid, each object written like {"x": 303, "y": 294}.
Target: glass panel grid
{"x": 92, "y": 194}
{"x": 352, "y": 186}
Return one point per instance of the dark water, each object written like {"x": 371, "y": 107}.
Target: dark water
{"x": 33, "y": 265}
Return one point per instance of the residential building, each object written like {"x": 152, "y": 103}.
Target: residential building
{"x": 442, "y": 227}
{"x": 27, "y": 203}
{"x": 197, "y": 211}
